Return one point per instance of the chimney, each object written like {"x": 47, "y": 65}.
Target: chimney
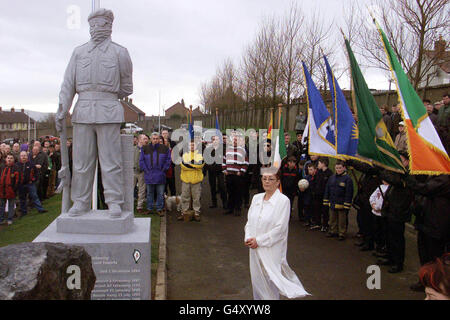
{"x": 131, "y": 101}
{"x": 22, "y": 110}
{"x": 12, "y": 109}
{"x": 0, "y": 108}
{"x": 439, "y": 46}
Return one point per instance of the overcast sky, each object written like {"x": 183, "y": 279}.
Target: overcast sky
{"x": 175, "y": 45}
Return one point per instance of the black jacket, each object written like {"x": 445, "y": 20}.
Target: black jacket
{"x": 56, "y": 160}
{"x": 289, "y": 179}
{"x": 214, "y": 167}
{"x": 398, "y": 197}
{"x": 367, "y": 184}
{"x": 322, "y": 180}
{"x": 433, "y": 217}
{"x": 41, "y": 159}
{"x": 27, "y": 172}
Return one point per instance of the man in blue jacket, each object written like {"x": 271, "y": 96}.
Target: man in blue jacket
{"x": 338, "y": 196}
{"x": 155, "y": 160}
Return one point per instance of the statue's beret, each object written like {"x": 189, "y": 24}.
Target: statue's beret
{"x": 105, "y": 13}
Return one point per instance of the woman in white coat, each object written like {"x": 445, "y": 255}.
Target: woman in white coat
{"x": 266, "y": 234}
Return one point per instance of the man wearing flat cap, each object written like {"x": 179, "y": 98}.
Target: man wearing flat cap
{"x": 100, "y": 72}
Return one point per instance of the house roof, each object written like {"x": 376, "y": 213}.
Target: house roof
{"x": 129, "y": 103}
{"x": 175, "y": 106}
{"x": 442, "y": 59}
{"x": 196, "y": 112}
{"x": 14, "y": 117}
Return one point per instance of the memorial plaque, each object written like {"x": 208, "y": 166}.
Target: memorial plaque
{"x": 122, "y": 263}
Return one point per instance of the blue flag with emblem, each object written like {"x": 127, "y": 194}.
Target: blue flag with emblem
{"x": 321, "y": 133}
{"x": 346, "y": 130}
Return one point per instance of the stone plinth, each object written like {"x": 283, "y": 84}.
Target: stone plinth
{"x": 95, "y": 222}
{"x": 121, "y": 262}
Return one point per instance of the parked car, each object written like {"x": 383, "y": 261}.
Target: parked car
{"x": 9, "y": 141}
{"x": 131, "y": 128}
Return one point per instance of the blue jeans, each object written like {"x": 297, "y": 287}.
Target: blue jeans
{"x": 159, "y": 196}
{"x": 29, "y": 189}
{"x": 10, "y": 209}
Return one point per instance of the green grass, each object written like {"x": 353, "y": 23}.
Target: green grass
{"x": 26, "y": 229}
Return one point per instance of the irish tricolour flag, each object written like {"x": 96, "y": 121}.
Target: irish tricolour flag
{"x": 426, "y": 152}
{"x": 280, "y": 147}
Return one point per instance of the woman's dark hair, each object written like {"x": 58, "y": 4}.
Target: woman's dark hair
{"x": 436, "y": 274}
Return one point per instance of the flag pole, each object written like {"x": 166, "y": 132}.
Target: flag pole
{"x": 354, "y": 108}
{"x": 280, "y": 105}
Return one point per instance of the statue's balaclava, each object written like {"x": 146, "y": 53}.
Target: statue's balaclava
{"x": 100, "y": 23}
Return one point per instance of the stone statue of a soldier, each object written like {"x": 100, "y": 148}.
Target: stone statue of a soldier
{"x": 100, "y": 71}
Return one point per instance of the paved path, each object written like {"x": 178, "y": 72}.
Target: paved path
{"x": 207, "y": 260}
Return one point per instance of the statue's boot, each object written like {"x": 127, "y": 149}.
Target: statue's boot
{"x": 114, "y": 211}
{"x": 78, "y": 209}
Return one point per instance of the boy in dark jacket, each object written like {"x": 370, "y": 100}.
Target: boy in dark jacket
{"x": 316, "y": 196}
{"x": 338, "y": 196}
{"x": 9, "y": 181}
{"x": 307, "y": 195}
{"x": 323, "y": 174}
{"x": 300, "y": 204}
{"x": 290, "y": 175}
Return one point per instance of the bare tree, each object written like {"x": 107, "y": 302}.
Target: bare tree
{"x": 412, "y": 27}
{"x": 292, "y": 25}
{"x": 318, "y": 40}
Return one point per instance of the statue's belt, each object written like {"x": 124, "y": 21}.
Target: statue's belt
{"x": 94, "y": 95}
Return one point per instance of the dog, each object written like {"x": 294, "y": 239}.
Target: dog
{"x": 173, "y": 203}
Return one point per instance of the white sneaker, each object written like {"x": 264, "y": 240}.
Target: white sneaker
{"x": 10, "y": 223}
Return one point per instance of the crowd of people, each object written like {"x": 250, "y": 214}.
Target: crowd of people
{"x": 29, "y": 174}
{"x": 384, "y": 200}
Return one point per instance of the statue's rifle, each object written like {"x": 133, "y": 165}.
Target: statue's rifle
{"x": 64, "y": 172}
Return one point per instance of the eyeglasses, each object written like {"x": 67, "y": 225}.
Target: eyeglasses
{"x": 268, "y": 179}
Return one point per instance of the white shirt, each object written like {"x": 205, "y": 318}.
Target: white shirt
{"x": 268, "y": 222}
{"x": 377, "y": 199}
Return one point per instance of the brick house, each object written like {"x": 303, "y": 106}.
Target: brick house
{"x": 13, "y": 121}
{"x": 131, "y": 112}
{"x": 178, "y": 108}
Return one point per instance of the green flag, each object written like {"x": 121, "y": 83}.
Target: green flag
{"x": 280, "y": 147}
{"x": 375, "y": 144}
